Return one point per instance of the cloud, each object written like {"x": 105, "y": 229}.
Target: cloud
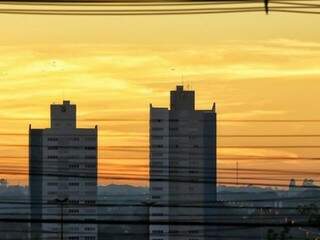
{"x": 248, "y": 80}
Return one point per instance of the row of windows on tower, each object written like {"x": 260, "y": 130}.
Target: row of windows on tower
{"x": 175, "y": 171}
{"x": 72, "y": 147}
{"x": 75, "y": 202}
{"x": 175, "y": 146}
{"x": 71, "y": 157}
{"x": 159, "y": 231}
{"x": 183, "y": 137}
{"x": 85, "y": 238}
{"x": 199, "y": 154}
{"x": 75, "y": 166}
{"x": 162, "y": 120}
{"x": 55, "y": 139}
{"x": 163, "y": 239}
{"x": 64, "y": 166}
{"x": 76, "y": 229}
{"x": 161, "y": 129}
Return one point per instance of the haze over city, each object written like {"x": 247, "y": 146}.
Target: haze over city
{"x": 152, "y": 120}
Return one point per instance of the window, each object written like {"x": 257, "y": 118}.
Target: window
{"x": 157, "y": 129}
{"x": 73, "y": 238}
{"x": 74, "y": 202}
{"x": 89, "y": 228}
{"x": 73, "y": 184}
{"x": 52, "y": 184}
{"x": 89, "y": 238}
{"x": 157, "y": 231}
{"x": 157, "y": 215}
{"x": 90, "y": 147}
{"x": 52, "y": 148}
{"x": 73, "y": 165}
{"x": 90, "y": 184}
{"x": 90, "y": 165}
{"x": 157, "y": 137}
{"x": 52, "y": 139}
{"x": 156, "y": 120}
{"x": 157, "y": 154}
{"x": 90, "y": 193}
{"x": 156, "y": 163}
{"x": 89, "y": 202}
{"x": 157, "y": 146}
{"x": 91, "y": 139}
{"x": 73, "y": 211}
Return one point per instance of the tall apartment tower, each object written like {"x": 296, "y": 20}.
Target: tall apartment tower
{"x": 182, "y": 168}
{"x": 63, "y": 177}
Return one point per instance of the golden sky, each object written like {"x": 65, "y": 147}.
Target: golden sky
{"x": 252, "y": 65}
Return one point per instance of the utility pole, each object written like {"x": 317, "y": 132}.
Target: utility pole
{"x": 61, "y": 202}
{"x": 148, "y": 204}
{"x": 266, "y": 6}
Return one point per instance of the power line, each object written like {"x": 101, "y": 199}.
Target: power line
{"x": 137, "y": 177}
{"x": 154, "y": 148}
{"x": 172, "y": 135}
{"x": 151, "y": 222}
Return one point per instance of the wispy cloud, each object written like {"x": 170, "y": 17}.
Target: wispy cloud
{"x": 248, "y": 80}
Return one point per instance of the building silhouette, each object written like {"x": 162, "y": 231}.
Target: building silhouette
{"x": 63, "y": 177}
{"x": 182, "y": 168}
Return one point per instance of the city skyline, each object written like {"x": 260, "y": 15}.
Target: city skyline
{"x": 160, "y": 120}
{"x": 256, "y": 66}
{"x": 118, "y": 131}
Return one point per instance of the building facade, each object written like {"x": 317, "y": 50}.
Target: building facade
{"x": 63, "y": 177}
{"x": 182, "y": 168}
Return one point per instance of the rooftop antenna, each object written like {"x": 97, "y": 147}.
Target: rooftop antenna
{"x": 182, "y": 78}
{"x": 214, "y": 107}
{"x": 188, "y": 86}
{"x": 237, "y": 172}
{"x": 63, "y": 95}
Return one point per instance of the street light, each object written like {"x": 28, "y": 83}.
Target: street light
{"x": 147, "y": 203}
{"x": 61, "y": 202}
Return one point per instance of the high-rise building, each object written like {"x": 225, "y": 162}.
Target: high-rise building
{"x": 63, "y": 177}
{"x": 182, "y": 168}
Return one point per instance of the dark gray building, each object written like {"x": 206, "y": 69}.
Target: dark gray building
{"x": 182, "y": 167}
{"x": 63, "y": 167}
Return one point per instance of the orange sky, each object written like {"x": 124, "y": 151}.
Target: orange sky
{"x": 254, "y": 66}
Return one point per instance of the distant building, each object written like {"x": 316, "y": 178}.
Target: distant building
{"x": 63, "y": 166}
{"x": 292, "y": 190}
{"x": 182, "y": 167}
{"x": 292, "y": 184}
{"x": 3, "y": 182}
